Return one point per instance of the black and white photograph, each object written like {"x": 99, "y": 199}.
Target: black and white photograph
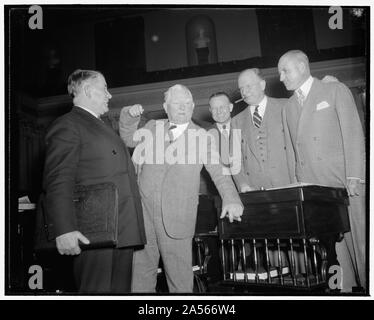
{"x": 186, "y": 150}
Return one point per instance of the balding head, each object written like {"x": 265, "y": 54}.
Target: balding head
{"x": 252, "y": 86}
{"x": 296, "y": 55}
{"x": 293, "y": 69}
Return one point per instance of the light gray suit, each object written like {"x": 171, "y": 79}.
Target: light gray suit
{"x": 170, "y": 197}
{"x": 264, "y": 160}
{"x": 328, "y": 142}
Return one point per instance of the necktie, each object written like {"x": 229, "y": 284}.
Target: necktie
{"x": 170, "y": 132}
{"x": 257, "y": 119}
{"x": 224, "y": 131}
{"x": 224, "y": 147}
{"x": 300, "y": 97}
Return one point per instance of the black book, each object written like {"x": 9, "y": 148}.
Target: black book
{"x": 96, "y": 211}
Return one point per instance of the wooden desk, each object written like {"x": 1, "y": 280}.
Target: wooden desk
{"x": 285, "y": 223}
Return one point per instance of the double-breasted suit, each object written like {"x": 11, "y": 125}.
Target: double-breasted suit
{"x": 263, "y": 150}
{"x": 328, "y": 142}
{"x": 170, "y": 197}
{"x": 82, "y": 150}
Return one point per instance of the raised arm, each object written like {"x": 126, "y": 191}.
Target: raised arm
{"x": 128, "y": 124}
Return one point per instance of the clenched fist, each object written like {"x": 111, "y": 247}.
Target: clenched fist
{"x": 136, "y": 110}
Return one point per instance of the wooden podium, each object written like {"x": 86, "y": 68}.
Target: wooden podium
{"x": 285, "y": 241}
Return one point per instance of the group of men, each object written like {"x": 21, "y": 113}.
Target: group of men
{"x": 315, "y": 136}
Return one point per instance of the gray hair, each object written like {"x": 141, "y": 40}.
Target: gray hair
{"x": 79, "y": 76}
{"x": 177, "y": 87}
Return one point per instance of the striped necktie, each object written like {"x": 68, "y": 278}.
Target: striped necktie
{"x": 300, "y": 97}
{"x": 257, "y": 119}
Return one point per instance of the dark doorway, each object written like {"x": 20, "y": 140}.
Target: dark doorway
{"x": 120, "y": 50}
{"x": 285, "y": 29}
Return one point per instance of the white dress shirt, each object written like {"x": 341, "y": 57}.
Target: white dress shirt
{"x": 178, "y": 131}
{"x": 305, "y": 87}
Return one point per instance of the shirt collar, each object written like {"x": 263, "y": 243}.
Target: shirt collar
{"x": 261, "y": 107}
{"x": 89, "y": 111}
{"x": 180, "y": 128}
{"x": 220, "y": 126}
{"x": 305, "y": 87}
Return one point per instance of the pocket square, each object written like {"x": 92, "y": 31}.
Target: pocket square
{"x": 322, "y": 105}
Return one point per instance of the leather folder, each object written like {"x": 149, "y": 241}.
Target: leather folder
{"x": 96, "y": 211}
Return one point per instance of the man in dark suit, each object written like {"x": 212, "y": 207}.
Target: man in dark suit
{"x": 82, "y": 150}
{"x": 328, "y": 142}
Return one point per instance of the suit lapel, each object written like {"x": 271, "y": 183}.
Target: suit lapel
{"x": 293, "y": 111}
{"x": 308, "y": 107}
{"x": 169, "y": 143}
{"x": 270, "y": 120}
{"x": 101, "y": 125}
{"x": 268, "y": 115}
{"x": 250, "y": 133}
{"x": 98, "y": 122}
{"x": 219, "y": 138}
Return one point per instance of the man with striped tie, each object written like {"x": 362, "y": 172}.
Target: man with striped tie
{"x": 263, "y": 146}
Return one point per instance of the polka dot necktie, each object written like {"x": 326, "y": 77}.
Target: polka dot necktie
{"x": 171, "y": 136}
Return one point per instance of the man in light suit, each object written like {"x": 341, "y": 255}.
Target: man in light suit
{"x": 328, "y": 142}
{"x": 263, "y": 145}
{"x": 169, "y": 189}
{"x": 82, "y": 150}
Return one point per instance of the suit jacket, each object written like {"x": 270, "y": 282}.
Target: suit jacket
{"x": 326, "y": 135}
{"x": 83, "y": 150}
{"x": 180, "y": 185}
{"x": 263, "y": 150}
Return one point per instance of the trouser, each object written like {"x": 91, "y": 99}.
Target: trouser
{"x": 103, "y": 270}
{"x": 176, "y": 254}
{"x": 351, "y": 250}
